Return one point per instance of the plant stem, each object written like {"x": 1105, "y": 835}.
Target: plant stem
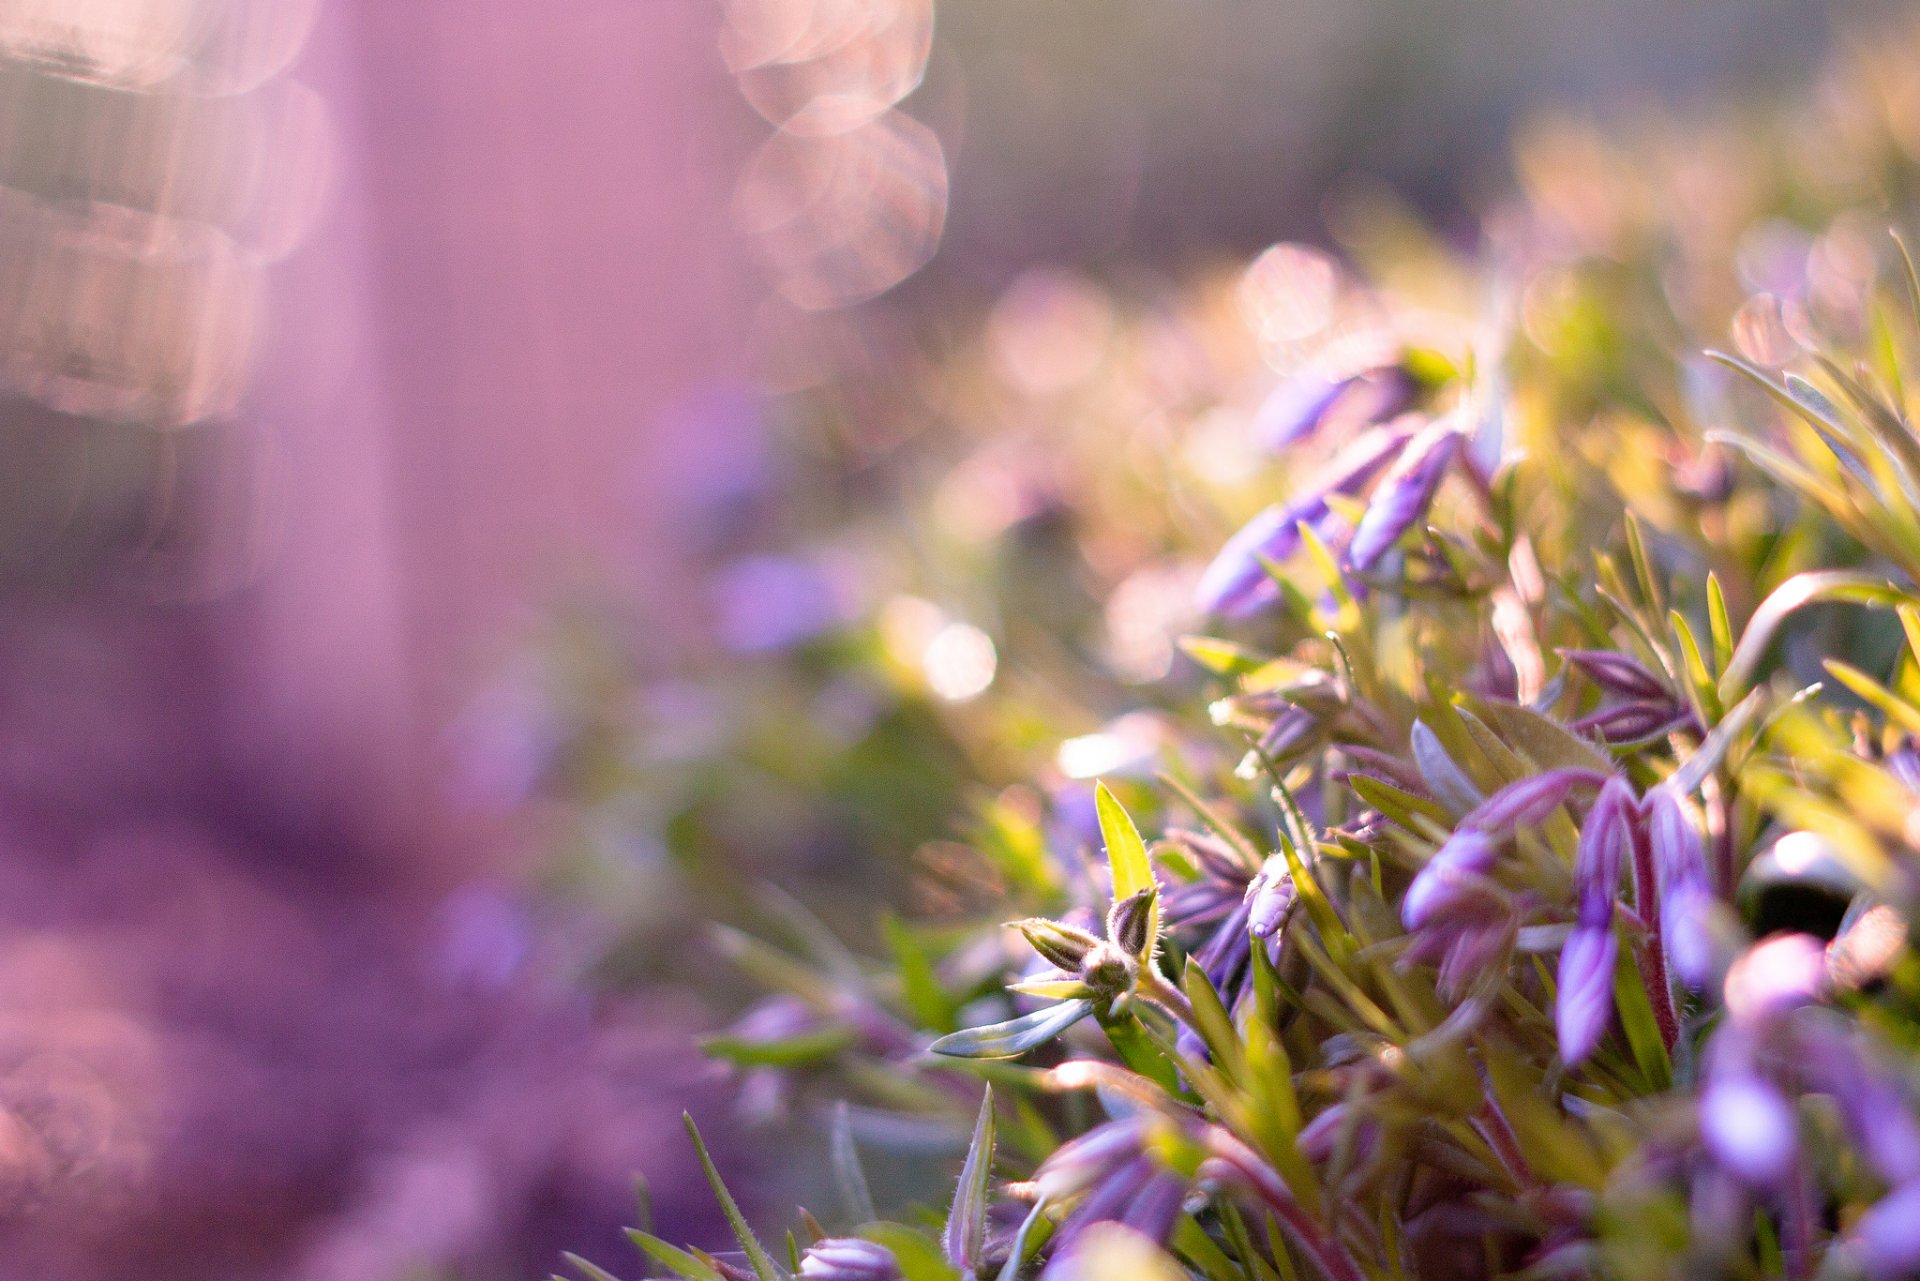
{"x": 1652, "y": 956}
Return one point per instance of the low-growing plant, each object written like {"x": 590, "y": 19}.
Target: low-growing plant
{"x": 1548, "y": 917}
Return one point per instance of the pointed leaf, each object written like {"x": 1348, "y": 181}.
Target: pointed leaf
{"x": 757, "y": 1256}
{"x": 1015, "y": 1036}
{"x": 669, "y": 1255}
{"x": 1127, "y": 856}
{"x": 848, "y": 1173}
{"x": 966, "y": 1230}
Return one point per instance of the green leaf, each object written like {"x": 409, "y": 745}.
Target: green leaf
{"x": 1895, "y": 708}
{"x": 1024, "y": 1245}
{"x": 792, "y": 1051}
{"x": 966, "y": 1230}
{"x": 1547, "y": 743}
{"x": 1127, "y": 856}
{"x": 588, "y": 1270}
{"x": 848, "y": 1174}
{"x": 1222, "y": 658}
{"x": 1810, "y": 588}
{"x": 920, "y": 988}
{"x": 671, "y": 1256}
{"x": 757, "y": 1256}
{"x": 1397, "y": 804}
{"x": 1719, "y": 626}
{"x": 918, "y": 1257}
{"x": 1136, "y": 1048}
{"x": 1015, "y": 1036}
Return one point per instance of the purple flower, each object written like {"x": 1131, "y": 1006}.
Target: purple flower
{"x": 1691, "y": 933}
{"x": 1404, "y": 493}
{"x": 1585, "y": 1000}
{"x": 1296, "y": 408}
{"x": 1308, "y": 401}
{"x": 849, "y": 1259}
{"x": 1748, "y": 1127}
{"x": 1236, "y": 583}
{"x": 1885, "y": 1243}
{"x": 1774, "y": 976}
{"x": 1873, "y": 1105}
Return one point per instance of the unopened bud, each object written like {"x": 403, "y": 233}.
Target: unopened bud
{"x": 1130, "y": 922}
{"x": 849, "y": 1259}
{"x": 1058, "y": 944}
{"x": 1618, "y": 674}
{"x": 1108, "y": 971}
{"x": 1270, "y": 898}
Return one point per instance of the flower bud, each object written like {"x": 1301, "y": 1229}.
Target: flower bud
{"x": 1270, "y": 897}
{"x": 1602, "y": 853}
{"x": 1584, "y": 1003}
{"x": 1617, "y": 674}
{"x": 1698, "y": 933}
{"x": 1130, "y": 922}
{"x": 1236, "y": 583}
{"x": 1058, "y": 944}
{"x": 1885, "y": 1243}
{"x": 849, "y": 1259}
{"x": 1078, "y": 1165}
{"x": 1678, "y": 853}
{"x": 1404, "y": 493}
{"x": 1109, "y": 971}
{"x": 1447, "y": 877}
{"x": 1749, "y": 1128}
{"x": 1633, "y": 722}
{"x": 1531, "y": 801}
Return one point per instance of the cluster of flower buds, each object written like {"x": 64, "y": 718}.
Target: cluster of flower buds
{"x": 1098, "y": 969}
{"x": 1641, "y": 706}
{"x": 1409, "y": 458}
{"x": 1460, "y": 917}
{"x": 1463, "y": 918}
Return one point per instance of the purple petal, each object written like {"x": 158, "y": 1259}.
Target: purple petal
{"x": 1404, "y": 494}
{"x": 1886, "y": 1240}
{"x": 1679, "y": 855}
{"x": 1877, "y": 1112}
{"x": 1776, "y": 975}
{"x": 1529, "y": 802}
{"x": 848, "y": 1259}
{"x": 1748, "y": 1127}
{"x": 1236, "y": 583}
{"x": 1585, "y": 1000}
{"x": 1296, "y": 408}
{"x": 1602, "y": 853}
{"x": 1439, "y": 883}
{"x": 1689, "y": 931}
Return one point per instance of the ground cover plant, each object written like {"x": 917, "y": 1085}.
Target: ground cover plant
{"x": 1528, "y": 890}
